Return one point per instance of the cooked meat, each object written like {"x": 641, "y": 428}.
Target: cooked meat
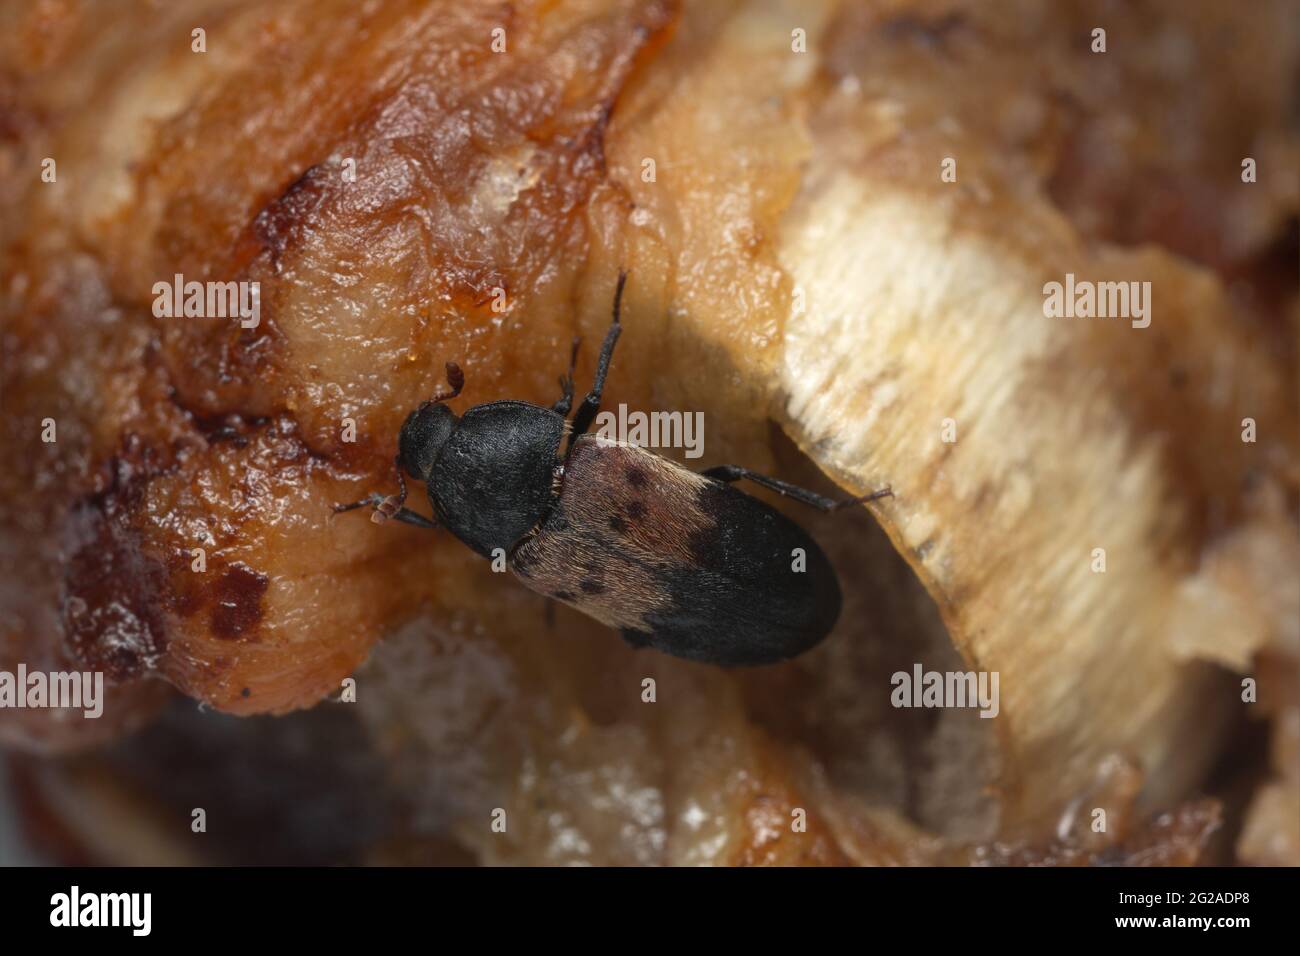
{"x": 418, "y": 181}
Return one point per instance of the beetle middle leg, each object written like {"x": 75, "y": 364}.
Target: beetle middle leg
{"x": 731, "y": 473}
{"x": 591, "y": 404}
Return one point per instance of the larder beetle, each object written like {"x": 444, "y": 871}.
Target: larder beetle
{"x": 676, "y": 560}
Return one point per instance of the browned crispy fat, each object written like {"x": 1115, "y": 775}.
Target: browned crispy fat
{"x": 473, "y": 173}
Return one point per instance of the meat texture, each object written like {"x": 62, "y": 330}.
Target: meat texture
{"x": 415, "y": 182}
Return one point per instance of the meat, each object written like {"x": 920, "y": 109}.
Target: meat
{"x": 412, "y": 183}
{"x": 231, "y": 439}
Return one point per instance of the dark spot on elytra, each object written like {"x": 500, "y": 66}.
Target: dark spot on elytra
{"x": 237, "y": 602}
{"x": 246, "y": 692}
{"x": 618, "y": 524}
{"x": 636, "y": 476}
{"x": 563, "y": 595}
{"x": 636, "y": 510}
{"x": 591, "y": 586}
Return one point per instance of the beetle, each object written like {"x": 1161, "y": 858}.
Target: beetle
{"x": 677, "y": 560}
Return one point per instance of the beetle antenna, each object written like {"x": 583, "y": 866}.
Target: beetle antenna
{"x": 456, "y": 379}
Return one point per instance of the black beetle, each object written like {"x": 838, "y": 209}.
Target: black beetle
{"x": 674, "y": 559}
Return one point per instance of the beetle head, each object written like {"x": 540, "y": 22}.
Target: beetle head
{"x": 422, "y": 437}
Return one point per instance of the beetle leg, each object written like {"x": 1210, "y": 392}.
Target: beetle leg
{"x": 730, "y": 473}
{"x": 591, "y": 404}
{"x": 386, "y": 508}
{"x": 414, "y": 518}
{"x": 392, "y": 505}
{"x": 368, "y": 500}
{"x": 566, "y": 382}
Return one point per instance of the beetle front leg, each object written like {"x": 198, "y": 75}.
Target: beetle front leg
{"x": 386, "y": 508}
{"x": 390, "y": 506}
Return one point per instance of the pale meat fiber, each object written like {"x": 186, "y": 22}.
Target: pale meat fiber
{"x": 840, "y": 221}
